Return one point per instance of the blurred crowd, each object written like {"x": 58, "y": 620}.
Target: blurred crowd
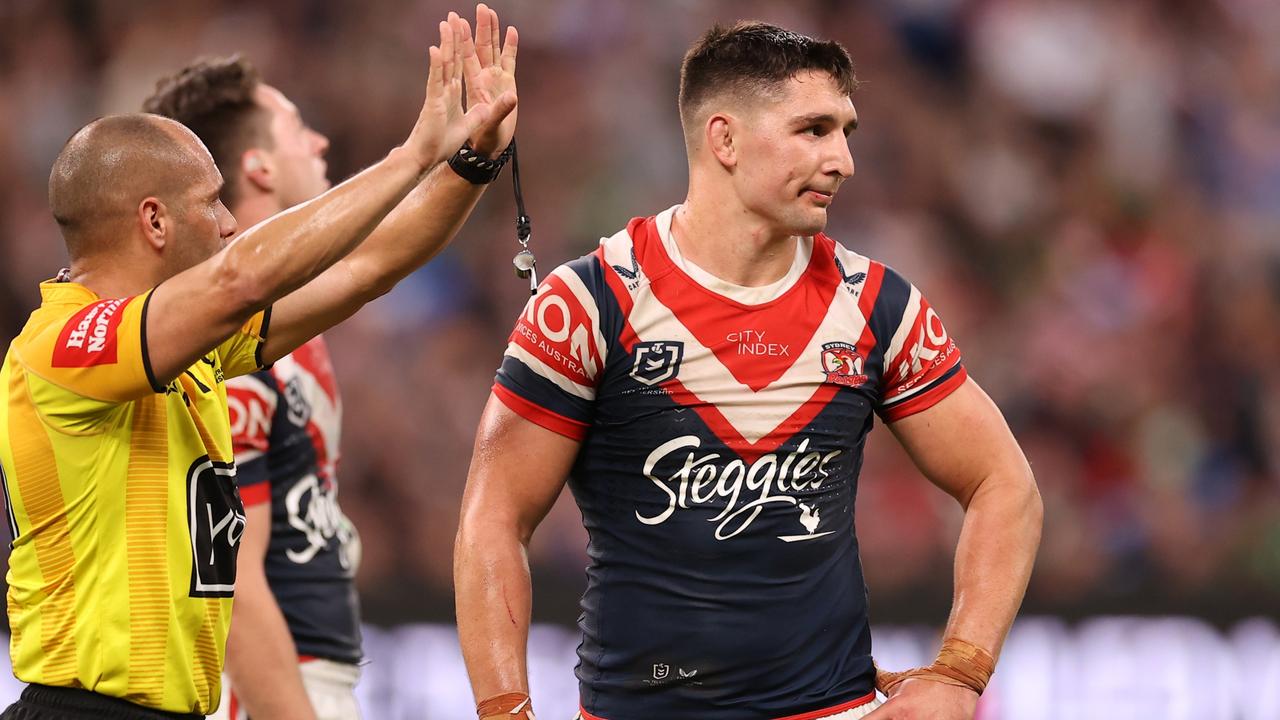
{"x": 1088, "y": 191}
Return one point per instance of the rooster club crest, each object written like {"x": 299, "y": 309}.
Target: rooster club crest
{"x": 842, "y": 364}
{"x": 657, "y": 361}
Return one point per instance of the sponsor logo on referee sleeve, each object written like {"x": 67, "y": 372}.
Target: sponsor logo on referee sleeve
{"x": 215, "y": 518}
{"x": 90, "y": 337}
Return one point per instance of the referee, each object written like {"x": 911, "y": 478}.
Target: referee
{"x": 115, "y": 447}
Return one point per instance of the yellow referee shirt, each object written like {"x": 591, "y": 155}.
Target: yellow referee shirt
{"x": 122, "y": 501}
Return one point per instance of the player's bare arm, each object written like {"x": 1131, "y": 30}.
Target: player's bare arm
{"x": 261, "y": 658}
{"x": 517, "y": 470}
{"x": 189, "y": 314}
{"x": 425, "y": 221}
{"x": 964, "y": 446}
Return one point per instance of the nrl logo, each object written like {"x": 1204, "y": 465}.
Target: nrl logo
{"x": 842, "y": 364}
{"x": 657, "y": 361}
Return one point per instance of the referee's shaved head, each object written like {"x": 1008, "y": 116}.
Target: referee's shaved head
{"x": 110, "y": 165}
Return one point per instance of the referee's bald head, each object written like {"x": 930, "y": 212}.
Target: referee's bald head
{"x": 110, "y": 165}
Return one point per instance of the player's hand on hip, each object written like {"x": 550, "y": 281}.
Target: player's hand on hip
{"x": 442, "y": 125}
{"x": 489, "y": 66}
{"x": 918, "y": 699}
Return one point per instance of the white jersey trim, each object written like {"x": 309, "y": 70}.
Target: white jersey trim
{"x": 548, "y": 373}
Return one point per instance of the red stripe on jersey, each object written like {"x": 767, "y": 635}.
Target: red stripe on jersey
{"x": 538, "y": 415}
{"x": 729, "y": 435}
{"x": 871, "y": 293}
{"x": 866, "y": 305}
{"x": 756, "y": 343}
{"x": 255, "y": 494}
{"x": 804, "y": 414}
{"x": 557, "y": 330}
{"x": 927, "y": 398}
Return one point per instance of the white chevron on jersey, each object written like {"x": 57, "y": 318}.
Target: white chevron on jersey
{"x": 549, "y": 373}
{"x": 900, "y": 337}
{"x": 752, "y": 414}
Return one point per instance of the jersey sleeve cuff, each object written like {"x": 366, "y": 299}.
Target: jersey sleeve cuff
{"x": 146, "y": 352}
{"x": 926, "y": 399}
{"x": 538, "y": 415}
{"x": 262, "y": 341}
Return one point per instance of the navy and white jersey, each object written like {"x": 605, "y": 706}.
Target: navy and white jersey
{"x": 285, "y": 426}
{"x": 722, "y": 433}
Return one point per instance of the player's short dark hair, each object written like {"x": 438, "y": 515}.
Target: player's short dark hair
{"x": 214, "y": 97}
{"x": 754, "y": 58}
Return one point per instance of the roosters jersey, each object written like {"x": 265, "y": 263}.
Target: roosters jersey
{"x": 121, "y": 501}
{"x": 722, "y": 432}
{"x": 285, "y": 425}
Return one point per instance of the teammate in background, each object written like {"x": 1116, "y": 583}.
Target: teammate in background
{"x": 115, "y": 447}
{"x": 706, "y": 379}
{"x": 294, "y": 648}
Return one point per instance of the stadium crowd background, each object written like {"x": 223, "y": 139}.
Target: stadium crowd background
{"x": 1089, "y": 191}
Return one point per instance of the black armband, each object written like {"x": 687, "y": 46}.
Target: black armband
{"x": 474, "y": 168}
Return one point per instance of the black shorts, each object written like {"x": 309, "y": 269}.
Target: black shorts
{"x": 41, "y": 702}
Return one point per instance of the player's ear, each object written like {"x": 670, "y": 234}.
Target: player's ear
{"x": 719, "y": 135}
{"x": 257, "y": 170}
{"x": 156, "y": 222}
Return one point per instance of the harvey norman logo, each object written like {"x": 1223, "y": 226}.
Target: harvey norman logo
{"x": 704, "y": 479}
{"x": 89, "y": 337}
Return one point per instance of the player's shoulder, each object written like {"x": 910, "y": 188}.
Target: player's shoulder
{"x": 851, "y": 263}
{"x": 856, "y": 268}
{"x": 75, "y": 329}
{"x": 603, "y": 276}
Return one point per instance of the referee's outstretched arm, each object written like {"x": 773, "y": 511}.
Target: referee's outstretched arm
{"x": 425, "y": 221}
{"x": 137, "y": 200}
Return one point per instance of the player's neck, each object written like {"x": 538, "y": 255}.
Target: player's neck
{"x": 730, "y": 242}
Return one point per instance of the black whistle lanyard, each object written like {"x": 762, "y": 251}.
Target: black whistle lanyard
{"x": 524, "y": 262}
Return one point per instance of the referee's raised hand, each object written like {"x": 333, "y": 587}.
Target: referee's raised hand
{"x": 489, "y": 67}
{"x": 442, "y": 125}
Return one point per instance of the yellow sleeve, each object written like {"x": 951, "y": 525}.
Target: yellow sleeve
{"x": 98, "y": 351}
{"x": 241, "y": 353}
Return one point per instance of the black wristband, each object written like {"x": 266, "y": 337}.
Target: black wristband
{"x": 474, "y": 168}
